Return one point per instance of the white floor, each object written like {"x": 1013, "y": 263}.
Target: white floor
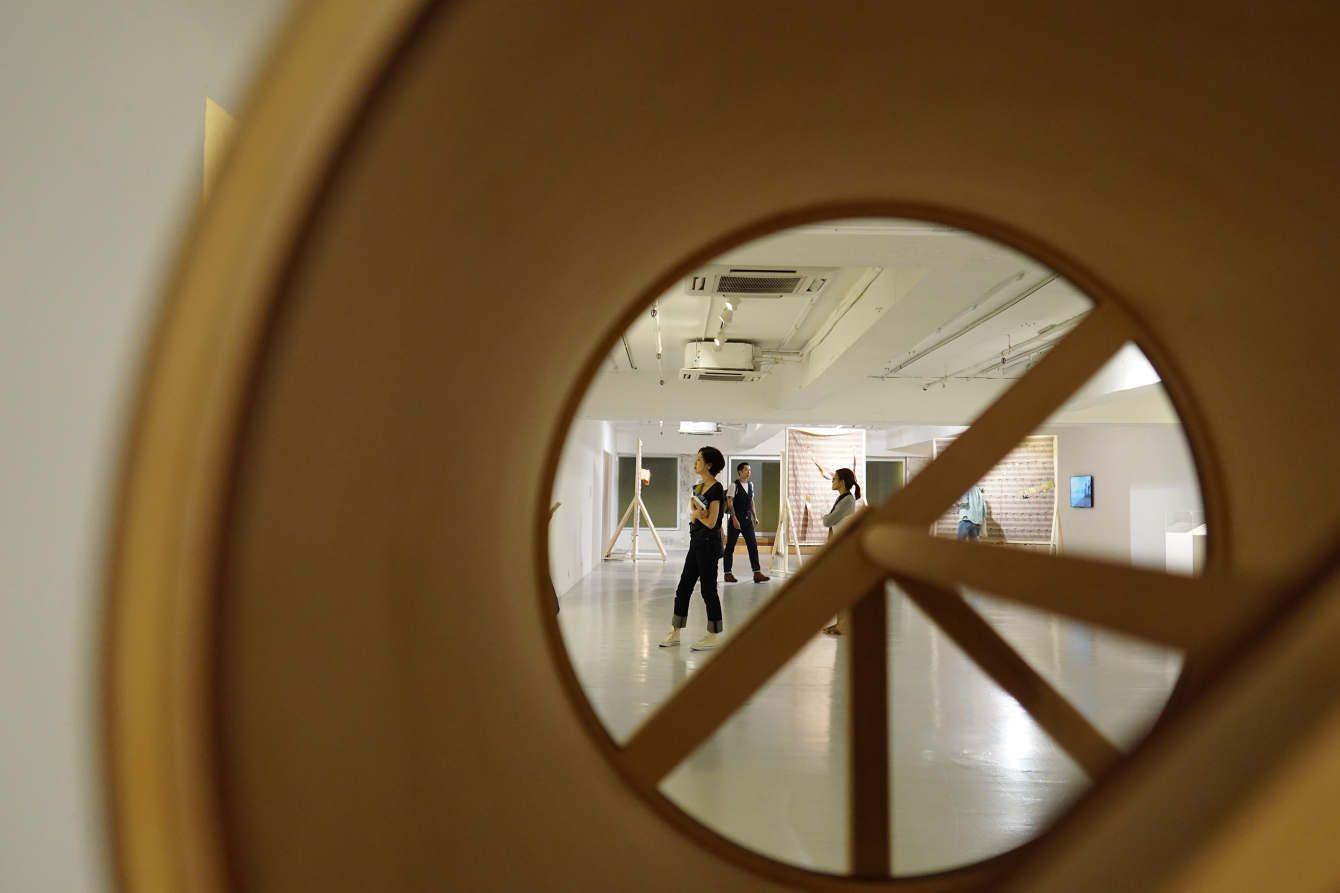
{"x": 972, "y": 774}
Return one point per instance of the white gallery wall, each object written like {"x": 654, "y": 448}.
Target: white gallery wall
{"x": 585, "y": 489}
{"x": 1142, "y": 475}
{"x": 100, "y": 166}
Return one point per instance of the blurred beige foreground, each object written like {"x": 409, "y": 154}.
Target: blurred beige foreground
{"x": 329, "y": 656}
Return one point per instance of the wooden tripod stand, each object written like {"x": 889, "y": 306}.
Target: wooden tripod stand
{"x": 637, "y": 510}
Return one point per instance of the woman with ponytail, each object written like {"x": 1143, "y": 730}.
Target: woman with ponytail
{"x": 844, "y": 482}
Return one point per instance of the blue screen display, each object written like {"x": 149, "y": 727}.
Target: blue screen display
{"x": 1081, "y": 491}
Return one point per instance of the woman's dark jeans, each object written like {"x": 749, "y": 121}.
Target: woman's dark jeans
{"x": 700, "y": 565}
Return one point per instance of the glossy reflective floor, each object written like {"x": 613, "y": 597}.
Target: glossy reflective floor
{"x": 972, "y": 774}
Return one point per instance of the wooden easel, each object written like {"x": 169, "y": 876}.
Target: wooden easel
{"x": 637, "y": 510}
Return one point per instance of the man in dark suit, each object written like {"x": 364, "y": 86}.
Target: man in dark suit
{"x": 743, "y": 512}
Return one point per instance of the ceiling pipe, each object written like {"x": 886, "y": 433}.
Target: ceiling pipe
{"x": 1030, "y": 356}
{"x": 860, "y": 287}
{"x": 801, "y": 317}
{"x": 966, "y": 312}
{"x": 854, "y": 295}
{"x": 1052, "y": 334}
{"x": 954, "y": 336}
{"x": 1027, "y": 356}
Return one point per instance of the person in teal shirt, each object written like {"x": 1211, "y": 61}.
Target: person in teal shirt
{"x": 971, "y": 514}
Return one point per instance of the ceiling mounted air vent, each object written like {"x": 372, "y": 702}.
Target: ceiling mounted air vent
{"x": 758, "y": 282}
{"x": 754, "y": 284}
{"x": 700, "y": 375}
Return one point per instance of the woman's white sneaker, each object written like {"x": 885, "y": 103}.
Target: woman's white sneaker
{"x": 670, "y": 640}
{"x": 706, "y": 643}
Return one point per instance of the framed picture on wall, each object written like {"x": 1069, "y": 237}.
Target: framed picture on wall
{"x": 1081, "y": 491}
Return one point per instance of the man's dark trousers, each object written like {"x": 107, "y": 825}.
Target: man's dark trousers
{"x": 750, "y": 541}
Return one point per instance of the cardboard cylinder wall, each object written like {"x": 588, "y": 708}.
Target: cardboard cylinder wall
{"x": 328, "y": 652}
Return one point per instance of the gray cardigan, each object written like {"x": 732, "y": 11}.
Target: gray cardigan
{"x": 845, "y": 508}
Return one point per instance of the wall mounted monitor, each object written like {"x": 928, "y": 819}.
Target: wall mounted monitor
{"x": 1081, "y": 491}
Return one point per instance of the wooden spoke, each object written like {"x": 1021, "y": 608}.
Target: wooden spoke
{"x": 827, "y": 584}
{"x": 1181, "y": 612}
{"x": 869, "y": 779}
{"x": 1192, "y": 801}
{"x": 1069, "y": 728}
{"x": 839, "y": 575}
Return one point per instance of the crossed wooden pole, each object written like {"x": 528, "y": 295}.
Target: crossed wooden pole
{"x": 891, "y": 542}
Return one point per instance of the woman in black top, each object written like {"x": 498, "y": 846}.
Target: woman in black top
{"x": 700, "y": 565}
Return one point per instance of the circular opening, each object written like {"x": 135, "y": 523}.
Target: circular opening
{"x": 719, "y": 441}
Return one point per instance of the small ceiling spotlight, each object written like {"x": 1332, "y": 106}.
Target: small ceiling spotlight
{"x": 730, "y": 305}
{"x": 717, "y": 341}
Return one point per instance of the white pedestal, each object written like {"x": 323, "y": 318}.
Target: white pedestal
{"x": 1184, "y": 549}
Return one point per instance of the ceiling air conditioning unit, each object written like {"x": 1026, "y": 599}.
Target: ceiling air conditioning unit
{"x": 758, "y": 282}
{"x": 732, "y": 361}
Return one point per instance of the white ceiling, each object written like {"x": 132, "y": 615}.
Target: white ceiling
{"x": 868, "y": 352}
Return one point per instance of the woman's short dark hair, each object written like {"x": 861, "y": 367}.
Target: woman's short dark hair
{"x": 848, "y": 477}
{"x": 741, "y": 467}
{"x": 713, "y": 458}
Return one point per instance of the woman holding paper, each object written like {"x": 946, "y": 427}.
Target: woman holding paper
{"x": 700, "y": 565}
